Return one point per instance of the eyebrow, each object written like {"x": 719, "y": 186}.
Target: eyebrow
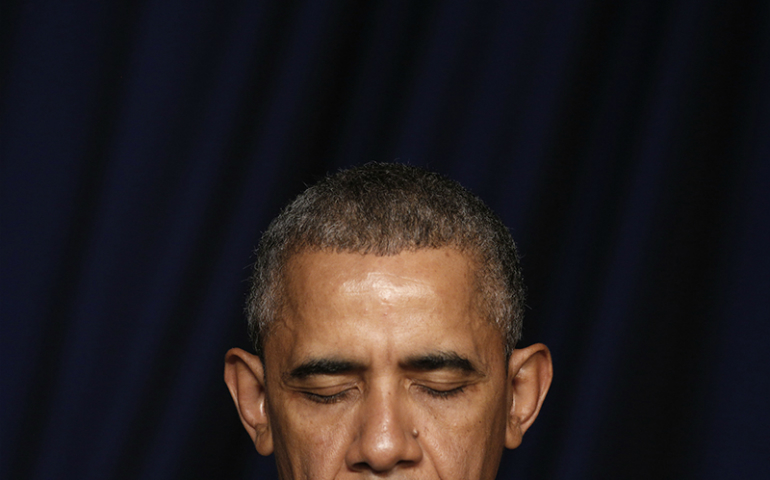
{"x": 440, "y": 361}
{"x": 425, "y": 363}
{"x": 323, "y": 366}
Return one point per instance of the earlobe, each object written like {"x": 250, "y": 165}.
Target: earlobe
{"x": 530, "y": 371}
{"x": 245, "y": 378}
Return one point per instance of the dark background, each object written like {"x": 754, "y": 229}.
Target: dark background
{"x": 146, "y": 144}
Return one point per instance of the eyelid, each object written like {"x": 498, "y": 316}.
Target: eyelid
{"x": 326, "y": 399}
{"x": 321, "y": 382}
{"x": 437, "y": 393}
{"x": 443, "y": 380}
{"x": 326, "y": 393}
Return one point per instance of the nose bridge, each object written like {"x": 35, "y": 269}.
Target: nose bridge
{"x": 385, "y": 437}
{"x": 384, "y": 416}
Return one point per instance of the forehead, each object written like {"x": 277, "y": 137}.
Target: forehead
{"x": 322, "y": 278}
{"x": 415, "y": 300}
{"x": 441, "y": 267}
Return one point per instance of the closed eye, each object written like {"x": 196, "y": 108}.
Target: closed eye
{"x": 326, "y": 399}
{"x": 442, "y": 393}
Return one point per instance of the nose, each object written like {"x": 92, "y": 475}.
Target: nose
{"x": 386, "y": 435}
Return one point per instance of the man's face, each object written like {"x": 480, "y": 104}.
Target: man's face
{"x": 383, "y": 366}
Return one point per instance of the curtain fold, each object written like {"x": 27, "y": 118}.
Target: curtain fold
{"x": 146, "y": 145}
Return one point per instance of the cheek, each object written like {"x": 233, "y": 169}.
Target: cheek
{"x": 306, "y": 442}
{"x": 465, "y": 442}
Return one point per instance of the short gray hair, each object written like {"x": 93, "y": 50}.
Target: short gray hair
{"x": 384, "y": 209}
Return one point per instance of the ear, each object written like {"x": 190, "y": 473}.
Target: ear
{"x": 529, "y": 375}
{"x": 245, "y": 378}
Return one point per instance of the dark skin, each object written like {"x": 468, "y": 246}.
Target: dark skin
{"x": 382, "y": 365}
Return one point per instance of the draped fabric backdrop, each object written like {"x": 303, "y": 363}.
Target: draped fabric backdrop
{"x": 146, "y": 144}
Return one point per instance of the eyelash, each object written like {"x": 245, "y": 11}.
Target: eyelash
{"x": 443, "y": 393}
{"x": 337, "y": 397}
{"x": 326, "y": 399}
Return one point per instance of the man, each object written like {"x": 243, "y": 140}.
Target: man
{"x": 385, "y": 308}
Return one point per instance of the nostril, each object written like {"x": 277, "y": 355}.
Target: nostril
{"x": 383, "y": 448}
{"x": 366, "y": 467}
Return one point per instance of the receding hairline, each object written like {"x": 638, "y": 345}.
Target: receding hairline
{"x": 384, "y": 209}
{"x": 471, "y": 256}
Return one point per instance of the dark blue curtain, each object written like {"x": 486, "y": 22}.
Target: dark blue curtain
{"x": 146, "y": 144}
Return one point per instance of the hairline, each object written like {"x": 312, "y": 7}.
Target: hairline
{"x": 462, "y": 222}
{"x": 470, "y": 253}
